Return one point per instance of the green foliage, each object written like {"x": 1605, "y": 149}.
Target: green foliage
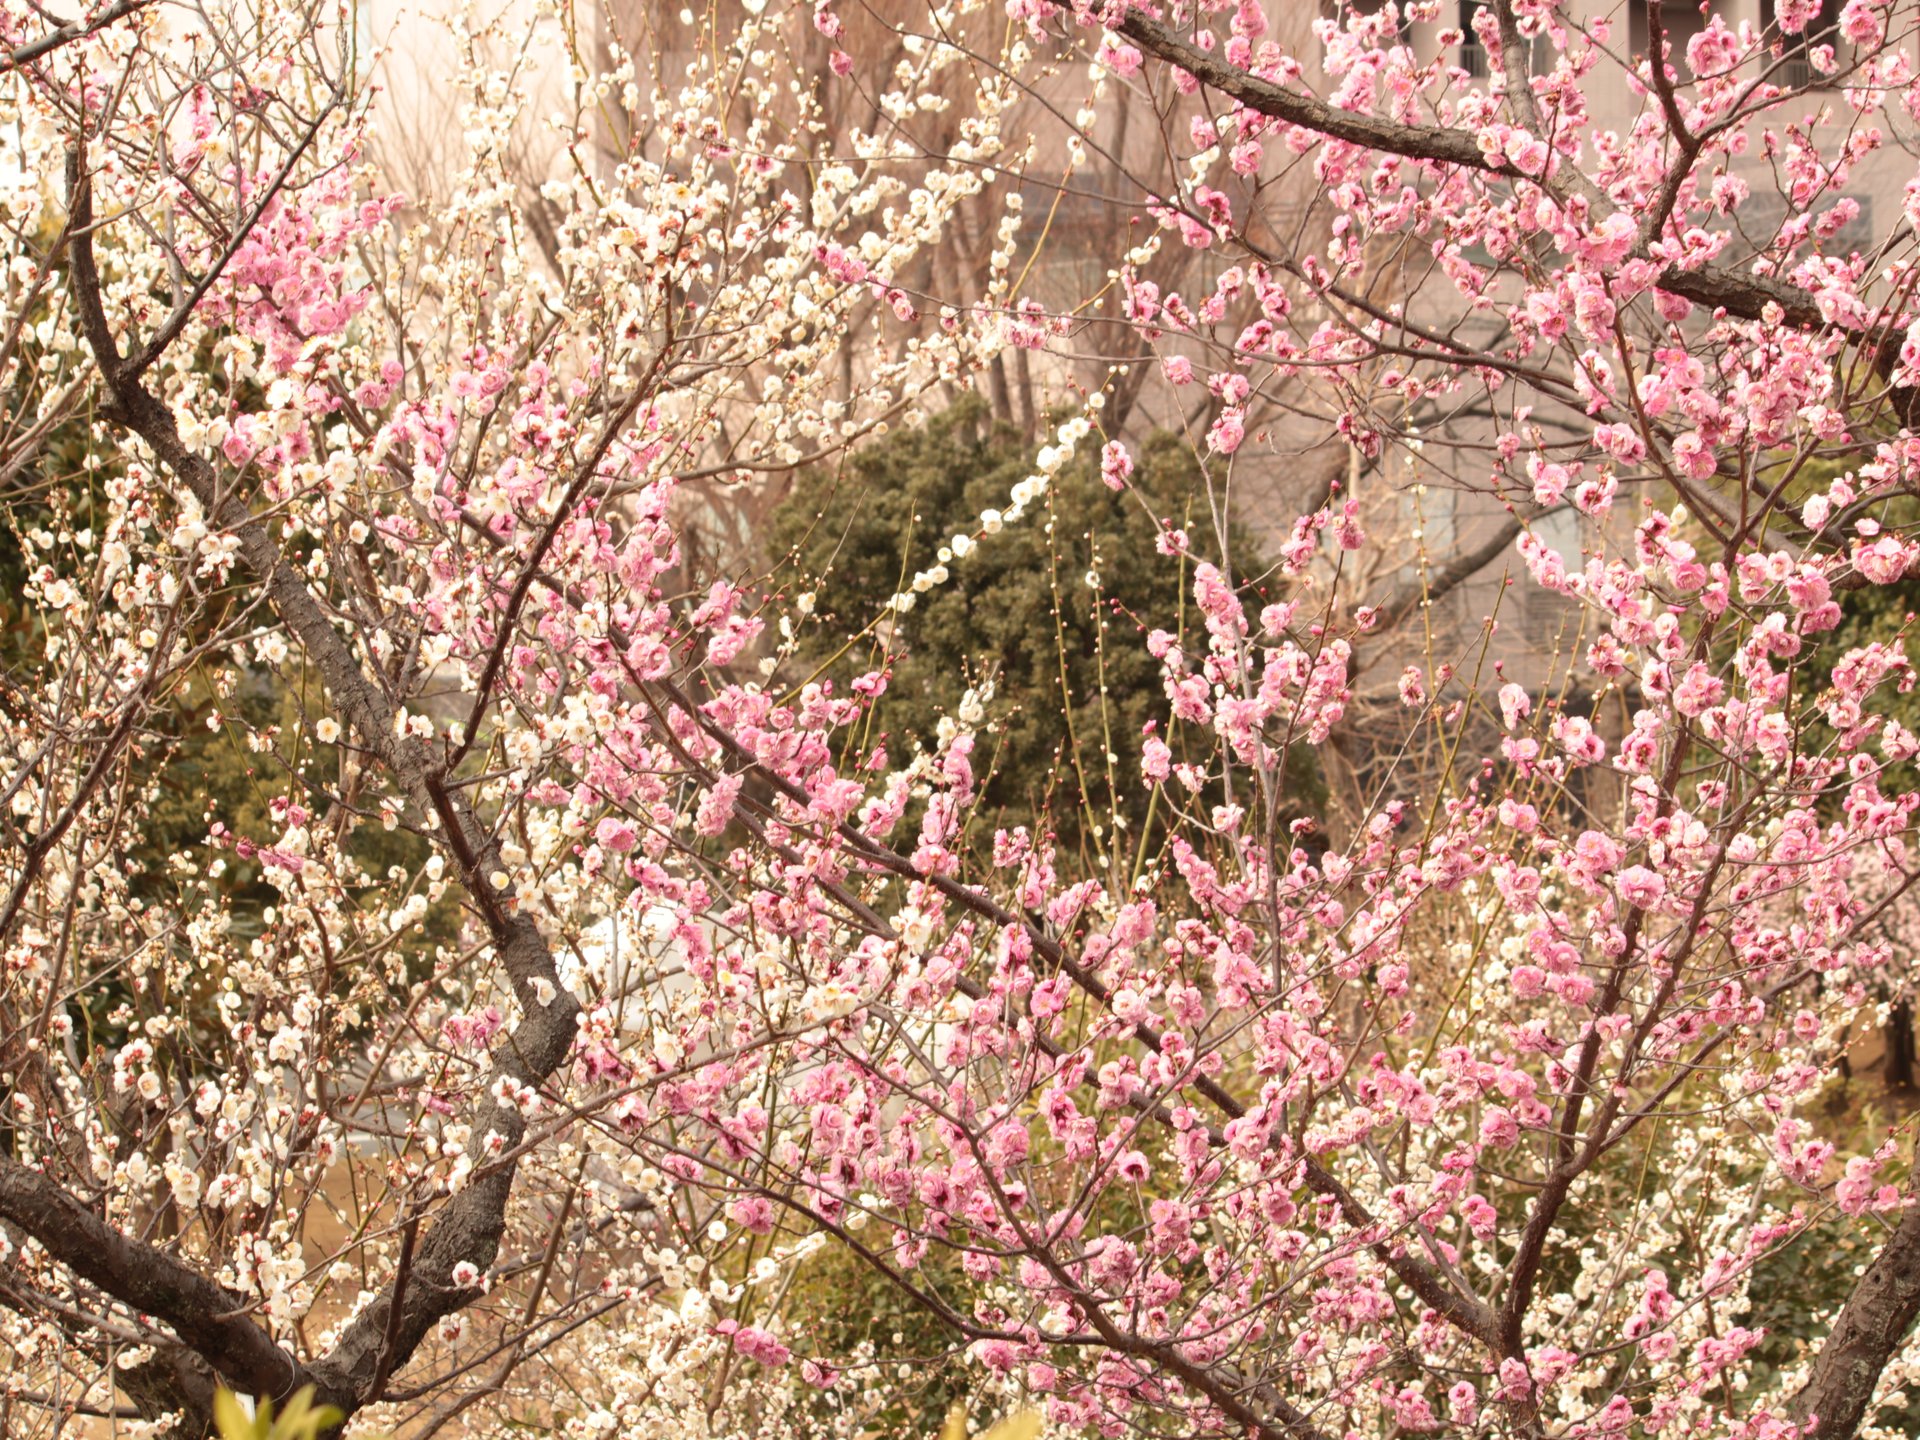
{"x": 845, "y": 1303}
{"x": 1072, "y": 682}
{"x": 1884, "y": 613}
{"x": 1868, "y": 614}
{"x": 301, "y": 1420}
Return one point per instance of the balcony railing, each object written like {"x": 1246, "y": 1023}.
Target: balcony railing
{"x": 1474, "y": 59}
{"x": 1797, "y": 72}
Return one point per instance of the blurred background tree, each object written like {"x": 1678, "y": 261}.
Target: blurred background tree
{"x": 1042, "y": 613}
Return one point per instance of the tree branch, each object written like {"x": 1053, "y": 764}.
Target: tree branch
{"x": 1745, "y": 296}
{"x": 1871, "y": 1326}
{"x": 68, "y": 33}
{"x": 470, "y": 1226}
{"x": 208, "y": 1317}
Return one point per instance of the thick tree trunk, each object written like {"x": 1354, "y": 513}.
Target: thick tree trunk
{"x": 1871, "y": 1326}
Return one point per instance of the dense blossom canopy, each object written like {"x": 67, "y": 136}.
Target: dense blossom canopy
{"x": 583, "y": 978}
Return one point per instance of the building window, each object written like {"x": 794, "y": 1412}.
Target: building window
{"x": 1474, "y": 58}
{"x": 1473, "y": 54}
{"x": 1549, "y": 618}
{"x": 1758, "y": 223}
{"x": 1681, "y": 21}
{"x": 1339, "y": 10}
{"x": 1797, "y": 50}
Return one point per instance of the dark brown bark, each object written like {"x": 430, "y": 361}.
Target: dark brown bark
{"x": 208, "y": 1317}
{"x": 1871, "y": 1326}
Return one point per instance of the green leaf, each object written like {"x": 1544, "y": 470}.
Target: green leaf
{"x": 301, "y": 1420}
{"x": 232, "y": 1421}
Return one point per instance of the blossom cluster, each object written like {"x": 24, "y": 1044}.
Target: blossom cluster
{"x": 576, "y": 978}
